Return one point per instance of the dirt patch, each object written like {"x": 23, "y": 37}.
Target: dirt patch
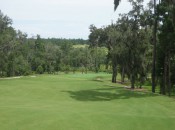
{"x": 136, "y": 89}
{"x": 12, "y": 77}
{"x": 33, "y": 76}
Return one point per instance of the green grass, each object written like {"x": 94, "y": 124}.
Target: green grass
{"x": 80, "y": 102}
{"x": 80, "y": 46}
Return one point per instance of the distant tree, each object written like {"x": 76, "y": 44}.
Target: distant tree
{"x": 39, "y": 52}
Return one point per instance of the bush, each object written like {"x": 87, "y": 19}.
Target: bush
{"x": 40, "y": 70}
{"x": 67, "y": 69}
{"x": 27, "y": 73}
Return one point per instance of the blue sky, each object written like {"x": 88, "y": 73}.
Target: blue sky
{"x": 61, "y": 18}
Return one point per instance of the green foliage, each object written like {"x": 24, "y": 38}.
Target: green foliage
{"x": 164, "y": 18}
{"x": 128, "y": 43}
{"x": 40, "y": 69}
{"x": 166, "y": 47}
{"x": 66, "y": 68}
{"x": 21, "y": 55}
{"x": 116, "y": 4}
{"x": 60, "y": 41}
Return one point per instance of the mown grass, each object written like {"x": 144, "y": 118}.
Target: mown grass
{"x": 80, "y": 102}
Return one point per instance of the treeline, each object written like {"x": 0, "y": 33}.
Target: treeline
{"x": 59, "y": 41}
{"x": 20, "y": 55}
{"x": 131, "y": 45}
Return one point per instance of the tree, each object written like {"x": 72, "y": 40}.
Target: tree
{"x": 166, "y": 48}
{"x": 6, "y": 39}
{"x": 116, "y": 4}
{"x": 38, "y": 54}
{"x": 154, "y": 49}
{"x": 51, "y": 54}
{"x": 96, "y": 40}
{"x": 126, "y": 36}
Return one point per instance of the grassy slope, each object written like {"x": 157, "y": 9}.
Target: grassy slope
{"x": 79, "y": 102}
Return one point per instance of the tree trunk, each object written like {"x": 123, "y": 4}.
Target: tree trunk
{"x": 96, "y": 58}
{"x": 161, "y": 85}
{"x": 164, "y": 76}
{"x": 114, "y": 73}
{"x": 141, "y": 81}
{"x": 169, "y": 75}
{"x": 123, "y": 75}
{"x": 154, "y": 50}
{"x": 132, "y": 81}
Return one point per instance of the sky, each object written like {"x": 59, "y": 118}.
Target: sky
{"x": 61, "y": 18}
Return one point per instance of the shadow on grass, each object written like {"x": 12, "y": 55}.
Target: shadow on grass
{"x": 107, "y": 94}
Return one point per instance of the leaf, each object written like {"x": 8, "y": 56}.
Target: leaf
{"x": 116, "y": 3}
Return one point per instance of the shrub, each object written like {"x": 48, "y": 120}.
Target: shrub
{"x": 40, "y": 70}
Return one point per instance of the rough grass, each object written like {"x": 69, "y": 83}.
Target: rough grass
{"x": 80, "y": 102}
{"x": 80, "y": 46}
